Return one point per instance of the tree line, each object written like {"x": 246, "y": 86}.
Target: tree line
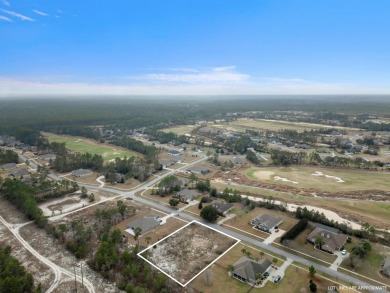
{"x": 8, "y": 156}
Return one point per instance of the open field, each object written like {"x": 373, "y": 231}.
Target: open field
{"x": 322, "y": 178}
{"x": 179, "y": 130}
{"x": 375, "y": 213}
{"x": 188, "y": 251}
{"x": 84, "y": 145}
{"x": 276, "y": 125}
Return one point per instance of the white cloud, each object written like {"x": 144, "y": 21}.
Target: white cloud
{"x": 40, "y": 12}
{"x": 5, "y": 2}
{"x": 214, "y": 75}
{"x": 274, "y": 86}
{"x": 5, "y": 18}
{"x": 18, "y": 15}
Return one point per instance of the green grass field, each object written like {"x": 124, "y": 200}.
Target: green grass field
{"x": 353, "y": 179}
{"x": 84, "y": 145}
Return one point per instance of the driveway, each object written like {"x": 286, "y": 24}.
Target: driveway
{"x": 339, "y": 260}
{"x": 271, "y": 238}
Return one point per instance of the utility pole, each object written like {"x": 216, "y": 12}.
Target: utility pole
{"x": 82, "y": 275}
{"x": 75, "y": 281}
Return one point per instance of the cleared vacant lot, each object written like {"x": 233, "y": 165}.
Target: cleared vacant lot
{"x": 276, "y": 125}
{"x": 84, "y": 145}
{"x": 188, "y": 251}
{"x": 322, "y": 178}
{"x": 180, "y": 130}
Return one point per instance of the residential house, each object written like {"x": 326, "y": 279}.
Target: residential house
{"x": 47, "y": 157}
{"x": 199, "y": 170}
{"x": 146, "y": 224}
{"x": 81, "y": 173}
{"x": 186, "y": 195}
{"x": 19, "y": 173}
{"x": 246, "y": 269}
{"x": 266, "y": 222}
{"x": 8, "y": 166}
{"x": 223, "y": 207}
{"x": 333, "y": 239}
{"x": 167, "y": 163}
{"x": 174, "y": 153}
{"x": 237, "y": 160}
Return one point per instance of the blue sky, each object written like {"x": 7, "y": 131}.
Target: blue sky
{"x": 194, "y": 47}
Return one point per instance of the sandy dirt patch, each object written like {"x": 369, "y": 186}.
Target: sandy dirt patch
{"x": 187, "y": 252}
{"x": 277, "y": 178}
{"x": 263, "y": 175}
{"x": 320, "y": 174}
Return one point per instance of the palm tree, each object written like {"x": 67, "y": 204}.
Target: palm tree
{"x": 275, "y": 260}
{"x": 261, "y": 254}
{"x": 230, "y": 268}
{"x": 243, "y": 251}
{"x": 259, "y": 276}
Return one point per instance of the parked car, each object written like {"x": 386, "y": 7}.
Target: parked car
{"x": 277, "y": 279}
{"x": 343, "y": 252}
{"x": 266, "y": 274}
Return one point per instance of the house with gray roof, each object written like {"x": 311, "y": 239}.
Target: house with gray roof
{"x": 174, "y": 153}
{"x": 8, "y": 166}
{"x": 246, "y": 269}
{"x": 81, "y": 173}
{"x": 146, "y": 224}
{"x": 47, "y": 157}
{"x": 333, "y": 239}
{"x": 386, "y": 266}
{"x": 19, "y": 173}
{"x": 187, "y": 195}
{"x": 199, "y": 170}
{"x": 223, "y": 207}
{"x": 266, "y": 222}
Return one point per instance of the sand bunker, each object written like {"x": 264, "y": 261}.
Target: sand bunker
{"x": 320, "y": 174}
{"x": 263, "y": 175}
{"x": 277, "y": 178}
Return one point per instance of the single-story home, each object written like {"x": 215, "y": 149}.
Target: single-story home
{"x": 81, "y": 173}
{"x": 246, "y": 269}
{"x": 199, "y": 170}
{"x": 19, "y": 173}
{"x": 167, "y": 163}
{"x": 386, "y": 266}
{"x": 333, "y": 239}
{"x": 146, "y": 224}
{"x": 47, "y": 157}
{"x": 8, "y": 166}
{"x": 223, "y": 207}
{"x": 237, "y": 160}
{"x": 186, "y": 195}
{"x": 174, "y": 153}
{"x": 266, "y": 222}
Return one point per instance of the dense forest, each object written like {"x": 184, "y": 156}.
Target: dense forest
{"x": 8, "y": 156}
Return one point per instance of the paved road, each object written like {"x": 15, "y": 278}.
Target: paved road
{"x": 131, "y": 194}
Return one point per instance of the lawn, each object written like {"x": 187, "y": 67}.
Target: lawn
{"x": 342, "y": 180}
{"x": 216, "y": 278}
{"x": 84, "y": 145}
{"x": 370, "y": 265}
